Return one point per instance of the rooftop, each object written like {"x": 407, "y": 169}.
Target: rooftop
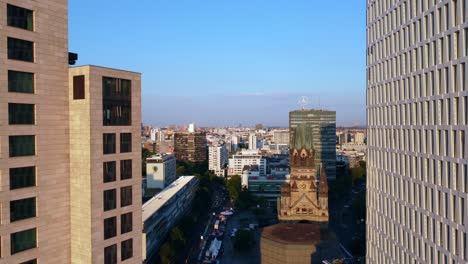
{"x": 160, "y": 157}
{"x": 295, "y": 234}
{"x": 95, "y": 66}
{"x": 165, "y": 195}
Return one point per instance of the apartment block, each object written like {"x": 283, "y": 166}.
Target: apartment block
{"x": 34, "y": 139}
{"x": 417, "y": 115}
{"x": 218, "y": 158}
{"x": 247, "y": 158}
{"x": 105, "y": 165}
{"x": 190, "y": 146}
{"x": 322, "y": 127}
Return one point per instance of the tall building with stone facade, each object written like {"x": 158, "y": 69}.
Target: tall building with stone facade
{"x": 321, "y": 125}
{"x": 34, "y": 164}
{"x": 62, "y": 199}
{"x": 305, "y": 197}
{"x": 190, "y": 146}
{"x": 105, "y": 165}
{"x": 417, "y": 114}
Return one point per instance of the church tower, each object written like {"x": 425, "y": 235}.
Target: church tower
{"x": 304, "y": 197}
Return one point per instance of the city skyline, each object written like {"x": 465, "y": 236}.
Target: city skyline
{"x": 202, "y": 61}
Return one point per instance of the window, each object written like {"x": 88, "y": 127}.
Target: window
{"x": 19, "y": 17}
{"x": 22, "y": 209}
{"x": 20, "y": 82}
{"x": 78, "y": 87}
{"x": 126, "y": 223}
{"x": 127, "y": 249}
{"x": 125, "y": 142}
{"x": 32, "y": 261}
{"x": 109, "y": 171}
{"x": 125, "y": 196}
{"x": 23, "y": 240}
{"x": 22, "y": 146}
{"x": 20, "y": 114}
{"x": 110, "y": 227}
{"x": 110, "y": 254}
{"x": 110, "y": 200}
{"x": 116, "y": 95}
{"x": 22, "y": 177}
{"x": 19, "y": 49}
{"x": 109, "y": 143}
{"x": 125, "y": 169}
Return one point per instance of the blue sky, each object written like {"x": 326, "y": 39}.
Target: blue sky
{"x": 225, "y": 62}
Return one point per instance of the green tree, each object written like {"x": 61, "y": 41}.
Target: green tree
{"x": 244, "y": 240}
{"x": 180, "y": 171}
{"x": 357, "y": 173}
{"x": 166, "y": 253}
{"x": 144, "y": 155}
{"x": 245, "y": 199}
{"x": 177, "y": 239}
{"x": 362, "y": 164}
{"x": 359, "y": 206}
{"x": 234, "y": 187}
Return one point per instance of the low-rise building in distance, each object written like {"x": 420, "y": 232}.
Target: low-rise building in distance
{"x": 246, "y": 158}
{"x": 160, "y": 170}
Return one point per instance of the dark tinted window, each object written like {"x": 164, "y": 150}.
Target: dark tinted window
{"x": 110, "y": 227}
{"x": 19, "y": 49}
{"x": 22, "y": 209}
{"x": 110, "y": 199}
{"x": 125, "y": 196}
{"x": 20, "y": 114}
{"x": 116, "y": 95}
{"x": 22, "y": 146}
{"x": 109, "y": 143}
{"x": 23, "y": 240}
{"x": 127, "y": 249}
{"x": 110, "y": 254}
{"x": 78, "y": 87}
{"x": 20, "y": 82}
{"x": 125, "y": 142}
{"x": 32, "y": 261}
{"x": 19, "y": 17}
{"x": 22, "y": 177}
{"x": 125, "y": 169}
{"x": 109, "y": 171}
{"x": 126, "y": 223}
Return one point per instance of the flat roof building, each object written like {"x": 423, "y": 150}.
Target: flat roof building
{"x": 162, "y": 212}
{"x": 322, "y": 127}
{"x": 190, "y": 146}
{"x": 160, "y": 170}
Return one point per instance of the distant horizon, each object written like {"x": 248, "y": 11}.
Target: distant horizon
{"x": 221, "y": 63}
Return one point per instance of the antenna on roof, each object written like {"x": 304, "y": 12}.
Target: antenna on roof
{"x": 303, "y": 102}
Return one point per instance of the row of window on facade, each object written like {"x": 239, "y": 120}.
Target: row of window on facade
{"x": 25, "y": 145}
{"x": 126, "y": 252}
{"x": 433, "y": 22}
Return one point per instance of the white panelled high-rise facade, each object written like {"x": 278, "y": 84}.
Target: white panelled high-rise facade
{"x": 417, "y": 114}
{"x": 252, "y": 141}
{"x": 218, "y": 158}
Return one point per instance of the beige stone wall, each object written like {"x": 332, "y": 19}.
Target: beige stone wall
{"x": 50, "y": 36}
{"x": 276, "y": 253}
{"x": 91, "y": 107}
{"x": 80, "y": 172}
